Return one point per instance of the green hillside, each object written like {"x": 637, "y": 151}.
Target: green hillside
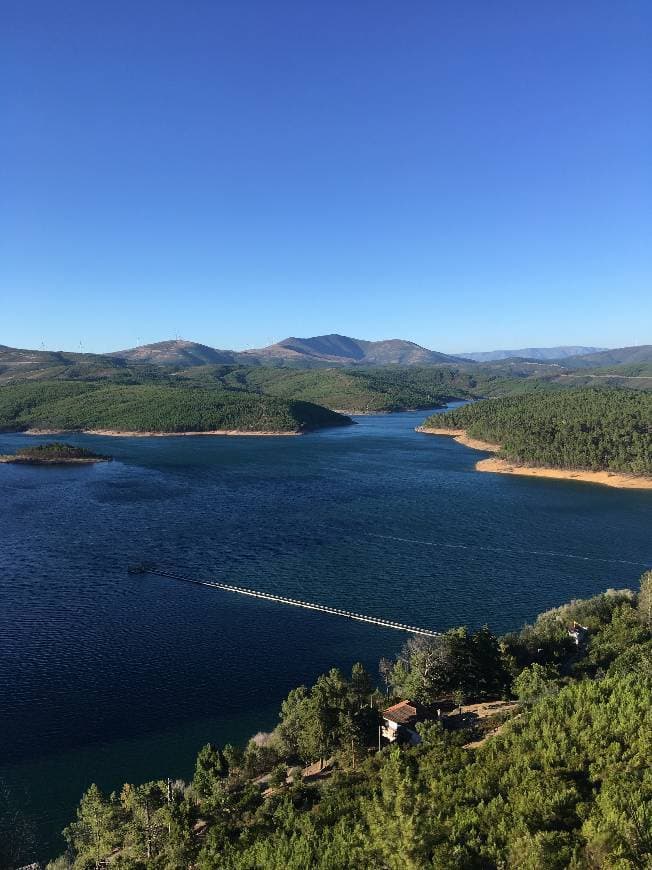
{"x": 389, "y": 388}
{"x": 396, "y": 388}
{"x": 561, "y": 780}
{"x": 633, "y": 376}
{"x": 20, "y": 365}
{"x": 588, "y": 428}
{"x": 69, "y": 405}
{"x": 359, "y": 388}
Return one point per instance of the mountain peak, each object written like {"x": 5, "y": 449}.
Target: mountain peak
{"x": 335, "y": 349}
{"x": 177, "y": 351}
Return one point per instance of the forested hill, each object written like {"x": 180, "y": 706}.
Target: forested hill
{"x": 560, "y": 780}
{"x": 365, "y": 390}
{"x": 69, "y": 405}
{"x": 593, "y": 429}
{"x": 353, "y": 388}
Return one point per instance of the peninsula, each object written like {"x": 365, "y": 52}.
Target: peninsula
{"x": 592, "y": 435}
{"x": 93, "y": 407}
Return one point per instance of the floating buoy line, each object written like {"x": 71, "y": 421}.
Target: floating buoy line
{"x": 147, "y": 568}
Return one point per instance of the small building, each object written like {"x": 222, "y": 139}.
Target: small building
{"x": 577, "y": 632}
{"x": 400, "y": 720}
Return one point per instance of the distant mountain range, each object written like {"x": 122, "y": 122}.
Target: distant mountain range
{"x": 340, "y": 350}
{"x": 318, "y": 351}
{"x": 640, "y": 353}
{"x": 536, "y": 353}
{"x": 322, "y": 351}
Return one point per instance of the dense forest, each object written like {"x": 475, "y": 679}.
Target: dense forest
{"x": 582, "y": 428}
{"x": 362, "y": 389}
{"x": 389, "y": 388}
{"x": 69, "y": 405}
{"x": 560, "y": 780}
{"x": 366, "y": 390}
{"x": 559, "y": 424}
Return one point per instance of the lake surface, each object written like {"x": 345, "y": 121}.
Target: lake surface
{"x": 108, "y": 677}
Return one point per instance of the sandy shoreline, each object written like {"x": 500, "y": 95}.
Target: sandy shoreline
{"x": 115, "y": 433}
{"x": 608, "y": 478}
{"x": 365, "y": 413}
{"x": 495, "y": 465}
{"x": 461, "y": 437}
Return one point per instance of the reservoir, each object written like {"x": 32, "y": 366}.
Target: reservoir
{"x": 107, "y": 676}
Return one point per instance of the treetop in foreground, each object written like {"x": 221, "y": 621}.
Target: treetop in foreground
{"x": 564, "y": 783}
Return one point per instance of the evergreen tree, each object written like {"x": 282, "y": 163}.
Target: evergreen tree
{"x": 210, "y": 768}
{"x": 490, "y": 671}
{"x": 97, "y": 831}
{"x": 645, "y": 600}
{"x": 145, "y": 813}
{"x": 361, "y": 686}
{"x": 536, "y": 682}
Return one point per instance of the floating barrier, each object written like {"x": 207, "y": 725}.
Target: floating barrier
{"x": 282, "y": 599}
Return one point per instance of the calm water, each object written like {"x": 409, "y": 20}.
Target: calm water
{"x": 108, "y": 677}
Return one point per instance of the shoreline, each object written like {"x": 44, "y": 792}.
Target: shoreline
{"x": 461, "y": 437}
{"x": 385, "y": 412}
{"x": 118, "y": 433}
{"x": 616, "y": 479}
{"x": 87, "y": 460}
{"x": 495, "y": 465}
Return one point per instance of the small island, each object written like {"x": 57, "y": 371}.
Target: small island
{"x": 54, "y": 453}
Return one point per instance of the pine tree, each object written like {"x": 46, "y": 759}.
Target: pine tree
{"x": 210, "y": 768}
{"x": 97, "y": 830}
{"x": 645, "y": 600}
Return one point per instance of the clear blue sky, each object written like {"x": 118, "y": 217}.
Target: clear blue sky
{"x": 466, "y": 174}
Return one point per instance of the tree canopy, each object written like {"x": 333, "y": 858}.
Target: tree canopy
{"x": 564, "y": 783}
{"x": 153, "y": 408}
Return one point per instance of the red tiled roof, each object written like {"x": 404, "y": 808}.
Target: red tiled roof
{"x": 408, "y": 712}
{"x": 404, "y": 713}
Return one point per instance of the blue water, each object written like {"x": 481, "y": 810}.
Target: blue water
{"x": 109, "y": 677}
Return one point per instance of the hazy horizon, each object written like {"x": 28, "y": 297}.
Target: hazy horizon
{"x": 112, "y": 349}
